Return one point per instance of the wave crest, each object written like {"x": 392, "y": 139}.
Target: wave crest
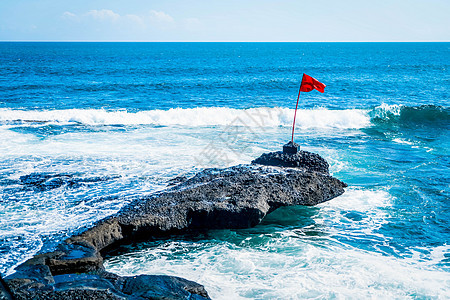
{"x": 410, "y": 115}
{"x": 252, "y": 117}
{"x": 200, "y": 116}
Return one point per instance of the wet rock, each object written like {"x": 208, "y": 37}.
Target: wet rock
{"x": 71, "y": 286}
{"x": 27, "y": 273}
{"x": 177, "y": 180}
{"x": 162, "y": 287}
{"x": 104, "y": 285}
{"x": 47, "y": 181}
{"x": 74, "y": 257}
{"x": 235, "y": 197}
{"x": 5, "y": 292}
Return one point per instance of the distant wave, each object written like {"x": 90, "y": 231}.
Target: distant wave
{"x": 429, "y": 115}
{"x": 222, "y": 116}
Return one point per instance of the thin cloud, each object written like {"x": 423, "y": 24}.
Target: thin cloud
{"x": 153, "y": 18}
{"x": 160, "y": 16}
{"x": 67, "y": 15}
{"x": 103, "y": 14}
{"x": 110, "y": 24}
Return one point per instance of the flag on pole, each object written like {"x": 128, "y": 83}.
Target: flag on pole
{"x": 309, "y": 84}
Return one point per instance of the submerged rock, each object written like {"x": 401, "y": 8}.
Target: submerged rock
{"x": 47, "y": 181}
{"x": 234, "y": 197}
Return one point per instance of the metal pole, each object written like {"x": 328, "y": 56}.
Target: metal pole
{"x": 295, "y": 114}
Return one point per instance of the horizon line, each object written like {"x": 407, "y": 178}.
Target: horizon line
{"x": 187, "y": 41}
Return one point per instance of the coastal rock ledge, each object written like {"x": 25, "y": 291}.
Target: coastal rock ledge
{"x": 235, "y": 197}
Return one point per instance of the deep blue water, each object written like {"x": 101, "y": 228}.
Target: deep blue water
{"x": 143, "y": 76}
{"x": 84, "y": 127}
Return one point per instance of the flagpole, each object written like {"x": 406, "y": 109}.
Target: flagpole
{"x": 295, "y": 114}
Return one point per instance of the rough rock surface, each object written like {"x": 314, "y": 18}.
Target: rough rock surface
{"x": 104, "y": 285}
{"x": 302, "y": 159}
{"x": 235, "y": 197}
{"x": 5, "y": 292}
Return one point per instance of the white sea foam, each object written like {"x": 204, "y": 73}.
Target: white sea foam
{"x": 201, "y": 116}
{"x": 384, "y": 110}
{"x": 361, "y": 200}
{"x": 359, "y": 213}
{"x": 50, "y": 213}
{"x": 290, "y": 265}
{"x": 292, "y": 269}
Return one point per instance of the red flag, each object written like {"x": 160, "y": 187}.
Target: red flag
{"x": 309, "y": 84}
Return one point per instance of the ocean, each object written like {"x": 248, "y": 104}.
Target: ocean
{"x": 87, "y": 127}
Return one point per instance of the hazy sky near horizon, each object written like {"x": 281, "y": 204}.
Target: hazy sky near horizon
{"x": 231, "y": 20}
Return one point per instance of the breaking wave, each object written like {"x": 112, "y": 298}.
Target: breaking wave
{"x": 222, "y": 116}
{"x": 200, "y": 116}
{"x": 428, "y": 115}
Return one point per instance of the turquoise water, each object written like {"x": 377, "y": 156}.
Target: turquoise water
{"x": 85, "y": 127}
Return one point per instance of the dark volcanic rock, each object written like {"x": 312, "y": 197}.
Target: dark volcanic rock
{"x": 302, "y": 159}
{"x": 291, "y": 148}
{"x": 162, "y": 287}
{"x": 5, "y": 292}
{"x": 104, "y": 285}
{"x": 235, "y": 197}
{"x": 47, "y": 181}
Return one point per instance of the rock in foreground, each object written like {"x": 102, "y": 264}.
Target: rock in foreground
{"x": 235, "y": 197}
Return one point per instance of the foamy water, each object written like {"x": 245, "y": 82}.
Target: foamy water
{"x": 85, "y": 128}
{"x": 137, "y": 158}
{"x": 296, "y": 262}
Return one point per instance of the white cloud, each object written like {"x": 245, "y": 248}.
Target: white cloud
{"x": 132, "y": 26}
{"x": 154, "y": 17}
{"x": 104, "y": 14}
{"x": 69, "y": 16}
{"x": 160, "y": 16}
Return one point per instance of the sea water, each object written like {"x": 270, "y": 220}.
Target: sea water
{"x": 87, "y": 127}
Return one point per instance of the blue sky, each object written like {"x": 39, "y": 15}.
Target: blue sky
{"x": 244, "y": 20}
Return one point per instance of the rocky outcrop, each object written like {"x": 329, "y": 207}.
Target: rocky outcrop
{"x": 235, "y": 197}
{"x": 302, "y": 159}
